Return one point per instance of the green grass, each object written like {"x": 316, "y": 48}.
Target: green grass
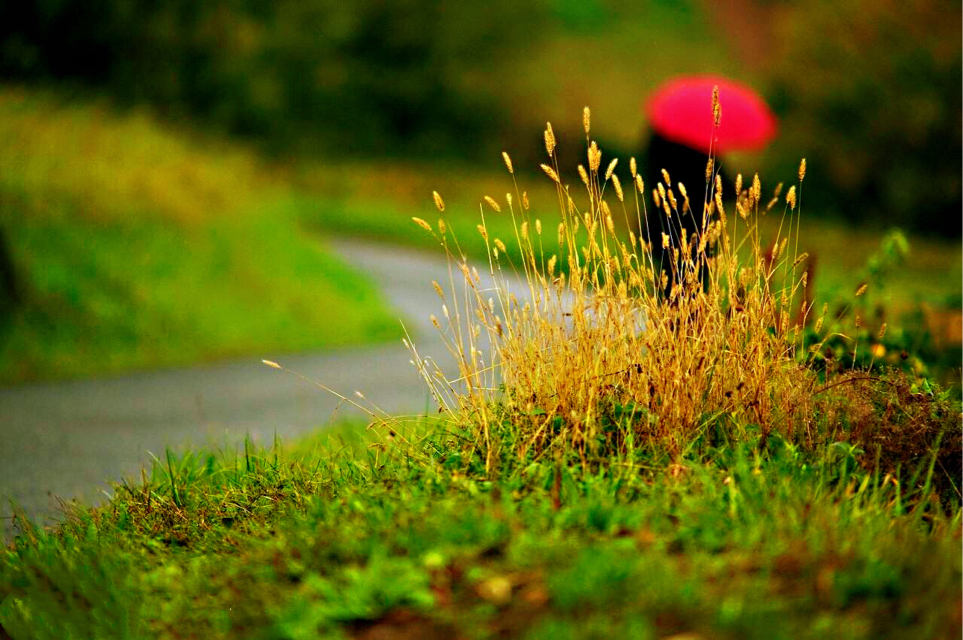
{"x": 340, "y": 537}
{"x": 138, "y": 246}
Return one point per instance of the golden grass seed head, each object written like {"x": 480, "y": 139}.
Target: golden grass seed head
{"x": 611, "y": 169}
{"x": 665, "y": 241}
{"x": 805, "y": 281}
{"x": 719, "y": 207}
{"x": 550, "y": 172}
{"x": 772, "y": 203}
{"x": 434, "y": 321}
{"x": 500, "y": 246}
{"x": 549, "y": 139}
{"x": 525, "y": 200}
{"x": 757, "y": 187}
{"x": 442, "y": 227}
{"x": 665, "y": 176}
{"x": 551, "y": 265}
{"x": 508, "y": 162}
{"x": 782, "y": 247}
{"x": 802, "y": 257}
{"x": 561, "y": 233}
{"x": 493, "y": 204}
{"x": 882, "y": 329}
{"x": 741, "y": 210}
{"x": 583, "y": 175}
{"x": 719, "y": 185}
{"x": 610, "y": 225}
{"x": 594, "y": 156}
{"x": 618, "y": 188}
{"x": 272, "y": 364}
{"x": 587, "y": 120}
{"x": 524, "y": 231}
{"x": 716, "y": 107}
{"x": 438, "y": 289}
{"x": 738, "y": 184}
{"x": 778, "y": 191}
{"x": 633, "y": 169}
{"x": 802, "y": 169}
{"x": 439, "y": 203}
{"x": 538, "y": 226}
{"x": 709, "y": 164}
{"x": 421, "y": 223}
{"x": 791, "y": 197}
{"x": 656, "y": 198}
{"x": 672, "y": 199}
{"x": 861, "y": 290}
{"x": 482, "y": 231}
{"x": 681, "y": 188}
{"x": 632, "y": 239}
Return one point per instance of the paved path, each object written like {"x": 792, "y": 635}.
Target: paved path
{"x": 69, "y": 439}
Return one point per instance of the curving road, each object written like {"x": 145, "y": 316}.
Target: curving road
{"x": 69, "y": 439}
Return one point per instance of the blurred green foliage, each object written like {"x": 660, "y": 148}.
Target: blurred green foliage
{"x": 134, "y": 246}
{"x": 370, "y": 76}
{"x": 870, "y": 91}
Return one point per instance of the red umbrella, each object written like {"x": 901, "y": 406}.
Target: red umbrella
{"x": 681, "y": 111}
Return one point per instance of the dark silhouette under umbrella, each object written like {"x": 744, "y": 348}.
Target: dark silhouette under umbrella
{"x": 684, "y": 136}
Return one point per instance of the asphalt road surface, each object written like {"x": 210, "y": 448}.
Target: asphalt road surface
{"x": 69, "y": 440}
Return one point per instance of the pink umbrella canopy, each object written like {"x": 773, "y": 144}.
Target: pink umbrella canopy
{"x": 681, "y": 111}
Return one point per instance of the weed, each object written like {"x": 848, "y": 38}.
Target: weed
{"x": 627, "y": 337}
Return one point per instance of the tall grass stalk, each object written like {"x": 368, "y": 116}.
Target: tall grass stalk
{"x": 617, "y": 340}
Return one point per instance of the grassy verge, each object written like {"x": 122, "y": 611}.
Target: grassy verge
{"x": 137, "y": 246}
{"x": 338, "y": 539}
{"x": 708, "y": 475}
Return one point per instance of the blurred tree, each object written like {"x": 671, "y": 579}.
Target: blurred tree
{"x": 370, "y": 76}
{"x": 870, "y": 91}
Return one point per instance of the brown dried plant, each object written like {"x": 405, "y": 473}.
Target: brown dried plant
{"x": 608, "y": 348}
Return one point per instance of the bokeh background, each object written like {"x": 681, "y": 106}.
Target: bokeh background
{"x": 169, "y": 169}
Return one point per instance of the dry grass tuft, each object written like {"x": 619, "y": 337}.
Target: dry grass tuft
{"x": 597, "y": 344}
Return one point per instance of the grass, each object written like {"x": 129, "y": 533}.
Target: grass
{"x": 334, "y": 538}
{"x": 724, "y": 483}
{"x": 137, "y": 246}
{"x": 376, "y": 201}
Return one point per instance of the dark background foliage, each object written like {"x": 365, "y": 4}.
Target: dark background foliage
{"x": 869, "y": 90}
